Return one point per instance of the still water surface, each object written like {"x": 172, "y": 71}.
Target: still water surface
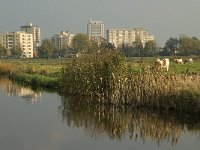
{"x": 46, "y": 121}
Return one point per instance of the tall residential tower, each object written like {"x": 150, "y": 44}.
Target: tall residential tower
{"x": 35, "y": 31}
{"x": 95, "y": 30}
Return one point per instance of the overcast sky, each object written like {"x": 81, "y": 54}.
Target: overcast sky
{"x": 161, "y": 18}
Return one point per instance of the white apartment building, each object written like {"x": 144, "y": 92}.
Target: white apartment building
{"x": 95, "y": 30}
{"x": 62, "y": 40}
{"x": 19, "y": 39}
{"x": 35, "y": 30}
{"x": 126, "y": 37}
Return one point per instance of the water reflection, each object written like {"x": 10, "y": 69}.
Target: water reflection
{"x": 114, "y": 122}
{"x": 117, "y": 123}
{"x": 11, "y": 89}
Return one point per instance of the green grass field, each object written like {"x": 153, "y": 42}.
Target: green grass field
{"x": 174, "y": 68}
{"x": 51, "y": 67}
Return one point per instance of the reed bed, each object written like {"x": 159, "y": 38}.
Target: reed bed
{"x": 6, "y": 68}
{"x": 106, "y": 79}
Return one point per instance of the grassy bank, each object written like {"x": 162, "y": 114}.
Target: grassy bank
{"x": 34, "y": 73}
{"x": 36, "y": 81}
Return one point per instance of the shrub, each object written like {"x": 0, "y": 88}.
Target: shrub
{"x": 93, "y": 75}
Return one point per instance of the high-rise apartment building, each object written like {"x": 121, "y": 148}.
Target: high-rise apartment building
{"x": 95, "y": 30}
{"x": 62, "y": 40}
{"x": 20, "y": 40}
{"x": 35, "y": 30}
{"x": 126, "y": 37}
{"x": 118, "y": 37}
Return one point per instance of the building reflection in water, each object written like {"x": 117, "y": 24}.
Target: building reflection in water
{"x": 120, "y": 122}
{"x": 12, "y": 89}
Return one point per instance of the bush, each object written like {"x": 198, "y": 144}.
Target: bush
{"x": 93, "y": 75}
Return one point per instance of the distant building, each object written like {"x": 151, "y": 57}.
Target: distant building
{"x": 20, "y": 40}
{"x": 35, "y": 30}
{"x": 95, "y": 30}
{"x": 126, "y": 37}
{"x": 62, "y": 40}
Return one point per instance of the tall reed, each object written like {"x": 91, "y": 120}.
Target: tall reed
{"x": 93, "y": 75}
{"x": 6, "y": 68}
{"x": 106, "y": 79}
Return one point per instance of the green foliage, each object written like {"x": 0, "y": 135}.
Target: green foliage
{"x": 183, "y": 46}
{"x": 4, "y": 52}
{"x": 36, "y": 81}
{"x": 16, "y": 52}
{"x": 1, "y": 50}
{"x": 150, "y": 48}
{"x": 171, "y": 46}
{"x": 47, "y": 47}
{"x": 81, "y": 43}
{"x": 189, "y": 45}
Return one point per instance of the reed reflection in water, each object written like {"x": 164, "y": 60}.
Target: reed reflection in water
{"x": 118, "y": 122}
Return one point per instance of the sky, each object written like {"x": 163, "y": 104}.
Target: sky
{"x": 161, "y": 18}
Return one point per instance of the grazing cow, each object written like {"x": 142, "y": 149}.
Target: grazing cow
{"x": 190, "y": 60}
{"x": 162, "y": 63}
{"x": 178, "y": 60}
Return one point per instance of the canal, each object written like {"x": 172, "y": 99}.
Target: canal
{"x": 39, "y": 120}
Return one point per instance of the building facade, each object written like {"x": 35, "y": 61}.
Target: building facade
{"x": 35, "y": 31}
{"x": 127, "y": 37}
{"x": 18, "y": 40}
{"x": 95, "y": 30}
{"x": 62, "y": 40}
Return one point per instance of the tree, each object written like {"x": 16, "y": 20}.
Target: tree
{"x": 189, "y": 46}
{"x": 138, "y": 47}
{"x": 171, "y": 46}
{"x": 81, "y": 43}
{"x": 16, "y": 52}
{"x": 1, "y": 51}
{"x": 129, "y": 51}
{"x": 7, "y": 53}
{"x": 150, "y": 48}
{"x": 47, "y": 47}
{"x": 4, "y": 52}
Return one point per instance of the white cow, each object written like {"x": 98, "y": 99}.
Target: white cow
{"x": 190, "y": 60}
{"x": 164, "y": 63}
{"x": 178, "y": 60}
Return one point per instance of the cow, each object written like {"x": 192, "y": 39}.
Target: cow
{"x": 164, "y": 63}
{"x": 190, "y": 60}
{"x": 178, "y": 60}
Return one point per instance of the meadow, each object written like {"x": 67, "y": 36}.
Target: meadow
{"x": 51, "y": 67}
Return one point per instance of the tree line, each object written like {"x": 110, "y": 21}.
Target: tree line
{"x": 183, "y": 46}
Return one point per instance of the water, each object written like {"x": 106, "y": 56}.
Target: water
{"x": 46, "y": 121}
